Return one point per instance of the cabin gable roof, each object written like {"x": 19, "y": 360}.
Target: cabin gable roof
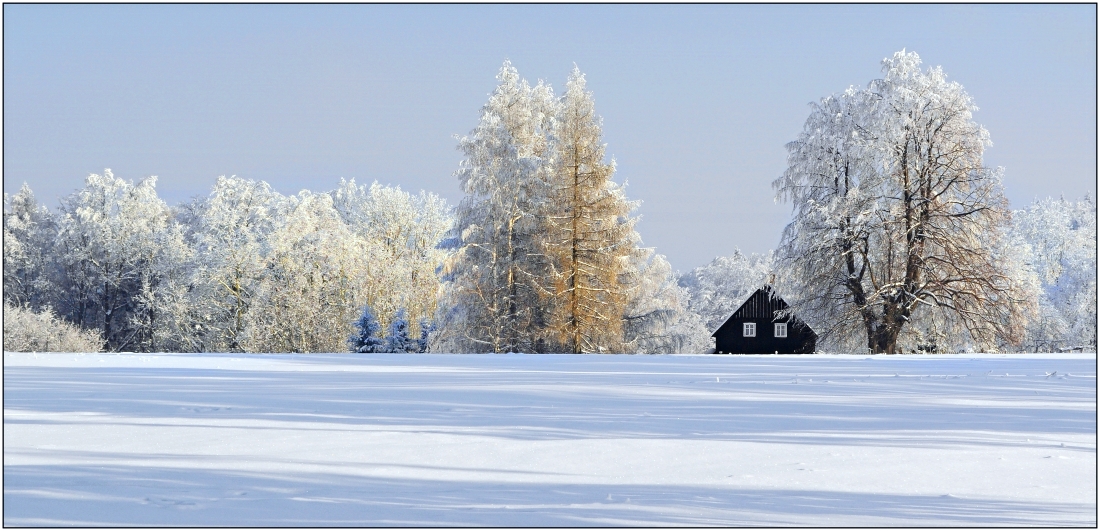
{"x": 762, "y": 304}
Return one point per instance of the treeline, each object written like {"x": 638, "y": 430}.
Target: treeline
{"x": 901, "y": 241}
{"x": 245, "y": 269}
{"x": 541, "y": 255}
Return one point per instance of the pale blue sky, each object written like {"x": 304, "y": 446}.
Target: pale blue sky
{"x": 697, "y": 100}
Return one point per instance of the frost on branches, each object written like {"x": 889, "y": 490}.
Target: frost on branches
{"x": 899, "y": 229}
{"x": 495, "y": 301}
{"x": 719, "y": 288}
{"x": 29, "y": 231}
{"x": 27, "y": 331}
{"x": 1058, "y": 238}
{"x": 120, "y": 265}
{"x": 244, "y": 269}
{"x": 230, "y": 231}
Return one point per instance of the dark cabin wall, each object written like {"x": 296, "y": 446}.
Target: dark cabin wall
{"x": 798, "y": 341}
{"x": 760, "y": 308}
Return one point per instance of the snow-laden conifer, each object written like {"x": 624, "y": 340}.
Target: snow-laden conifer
{"x": 591, "y": 232}
{"x": 397, "y": 338}
{"x": 500, "y": 272}
{"x": 366, "y": 338}
{"x": 547, "y": 256}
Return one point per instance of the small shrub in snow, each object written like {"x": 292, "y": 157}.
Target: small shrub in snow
{"x": 26, "y": 331}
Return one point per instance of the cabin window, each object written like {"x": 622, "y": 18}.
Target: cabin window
{"x": 750, "y": 329}
{"x": 780, "y": 329}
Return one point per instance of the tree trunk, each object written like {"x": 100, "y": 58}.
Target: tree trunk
{"x": 573, "y": 263}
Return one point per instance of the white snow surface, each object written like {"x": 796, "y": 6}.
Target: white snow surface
{"x": 549, "y": 440}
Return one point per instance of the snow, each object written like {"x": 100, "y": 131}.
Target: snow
{"x": 549, "y": 440}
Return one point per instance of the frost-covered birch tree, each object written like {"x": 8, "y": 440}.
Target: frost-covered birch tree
{"x": 657, "y": 320}
{"x": 716, "y": 290}
{"x": 896, "y": 218}
{"x": 310, "y": 293}
{"x": 230, "y": 230}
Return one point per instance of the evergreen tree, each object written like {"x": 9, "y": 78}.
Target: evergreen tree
{"x": 500, "y": 271}
{"x": 426, "y": 328}
{"x": 397, "y": 339}
{"x": 548, "y": 259}
{"x": 365, "y": 339}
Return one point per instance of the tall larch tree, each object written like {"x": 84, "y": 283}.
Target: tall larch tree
{"x": 591, "y": 238}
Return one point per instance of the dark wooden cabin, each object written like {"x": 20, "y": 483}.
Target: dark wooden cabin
{"x": 754, "y": 329}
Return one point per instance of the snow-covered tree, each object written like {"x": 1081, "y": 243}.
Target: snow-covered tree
{"x": 657, "y": 320}
{"x": 397, "y": 338}
{"x": 366, "y": 338}
{"x": 716, "y": 290}
{"x": 29, "y": 232}
{"x": 312, "y": 287}
{"x": 1058, "y": 238}
{"x": 230, "y": 230}
{"x": 896, "y": 219}
{"x": 547, "y": 256}
{"x": 400, "y": 233}
{"x": 500, "y": 272}
{"x": 592, "y": 238}
{"x": 426, "y": 330}
{"x": 163, "y": 297}
{"x": 119, "y": 256}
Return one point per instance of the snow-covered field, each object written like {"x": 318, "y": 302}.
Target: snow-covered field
{"x": 549, "y": 440}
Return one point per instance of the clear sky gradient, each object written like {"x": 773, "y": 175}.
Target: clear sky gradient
{"x": 697, "y": 100}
